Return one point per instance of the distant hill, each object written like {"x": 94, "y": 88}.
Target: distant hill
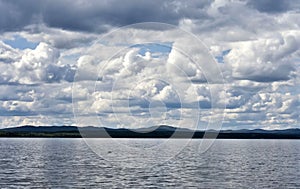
{"x": 40, "y": 129}
{"x": 162, "y": 131}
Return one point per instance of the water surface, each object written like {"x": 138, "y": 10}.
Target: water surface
{"x": 57, "y": 163}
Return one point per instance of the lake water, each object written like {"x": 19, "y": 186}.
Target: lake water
{"x": 61, "y": 163}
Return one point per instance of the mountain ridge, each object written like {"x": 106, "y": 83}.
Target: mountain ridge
{"x": 161, "y": 131}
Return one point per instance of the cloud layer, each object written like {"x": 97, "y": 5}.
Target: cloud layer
{"x": 255, "y": 44}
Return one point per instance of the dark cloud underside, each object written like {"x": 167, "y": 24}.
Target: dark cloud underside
{"x": 94, "y": 15}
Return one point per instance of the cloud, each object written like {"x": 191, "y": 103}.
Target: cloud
{"x": 264, "y": 60}
{"x": 96, "y": 16}
{"x": 34, "y": 66}
{"x": 7, "y": 53}
{"x": 256, "y": 45}
{"x": 138, "y": 86}
{"x": 270, "y": 7}
{"x": 16, "y": 15}
{"x": 58, "y": 38}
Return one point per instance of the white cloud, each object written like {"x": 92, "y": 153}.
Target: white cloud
{"x": 32, "y": 68}
{"x": 264, "y": 59}
{"x": 260, "y": 66}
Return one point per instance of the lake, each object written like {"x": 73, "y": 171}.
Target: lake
{"x": 61, "y": 163}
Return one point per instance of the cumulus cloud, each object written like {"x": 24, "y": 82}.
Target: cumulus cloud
{"x": 139, "y": 86}
{"x": 7, "y": 53}
{"x": 264, "y": 60}
{"x": 255, "y": 44}
{"x": 33, "y": 66}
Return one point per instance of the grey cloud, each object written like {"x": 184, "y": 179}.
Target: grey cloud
{"x": 271, "y": 6}
{"x": 16, "y": 14}
{"x": 24, "y": 100}
{"x": 95, "y": 15}
{"x": 16, "y": 113}
{"x": 55, "y": 73}
{"x": 248, "y": 75}
{"x": 280, "y": 73}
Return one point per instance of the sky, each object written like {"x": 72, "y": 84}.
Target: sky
{"x": 198, "y": 64}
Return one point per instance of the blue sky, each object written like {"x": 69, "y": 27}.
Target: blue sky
{"x": 19, "y": 42}
{"x": 85, "y": 70}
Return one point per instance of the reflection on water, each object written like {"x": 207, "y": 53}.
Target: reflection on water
{"x": 56, "y": 163}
